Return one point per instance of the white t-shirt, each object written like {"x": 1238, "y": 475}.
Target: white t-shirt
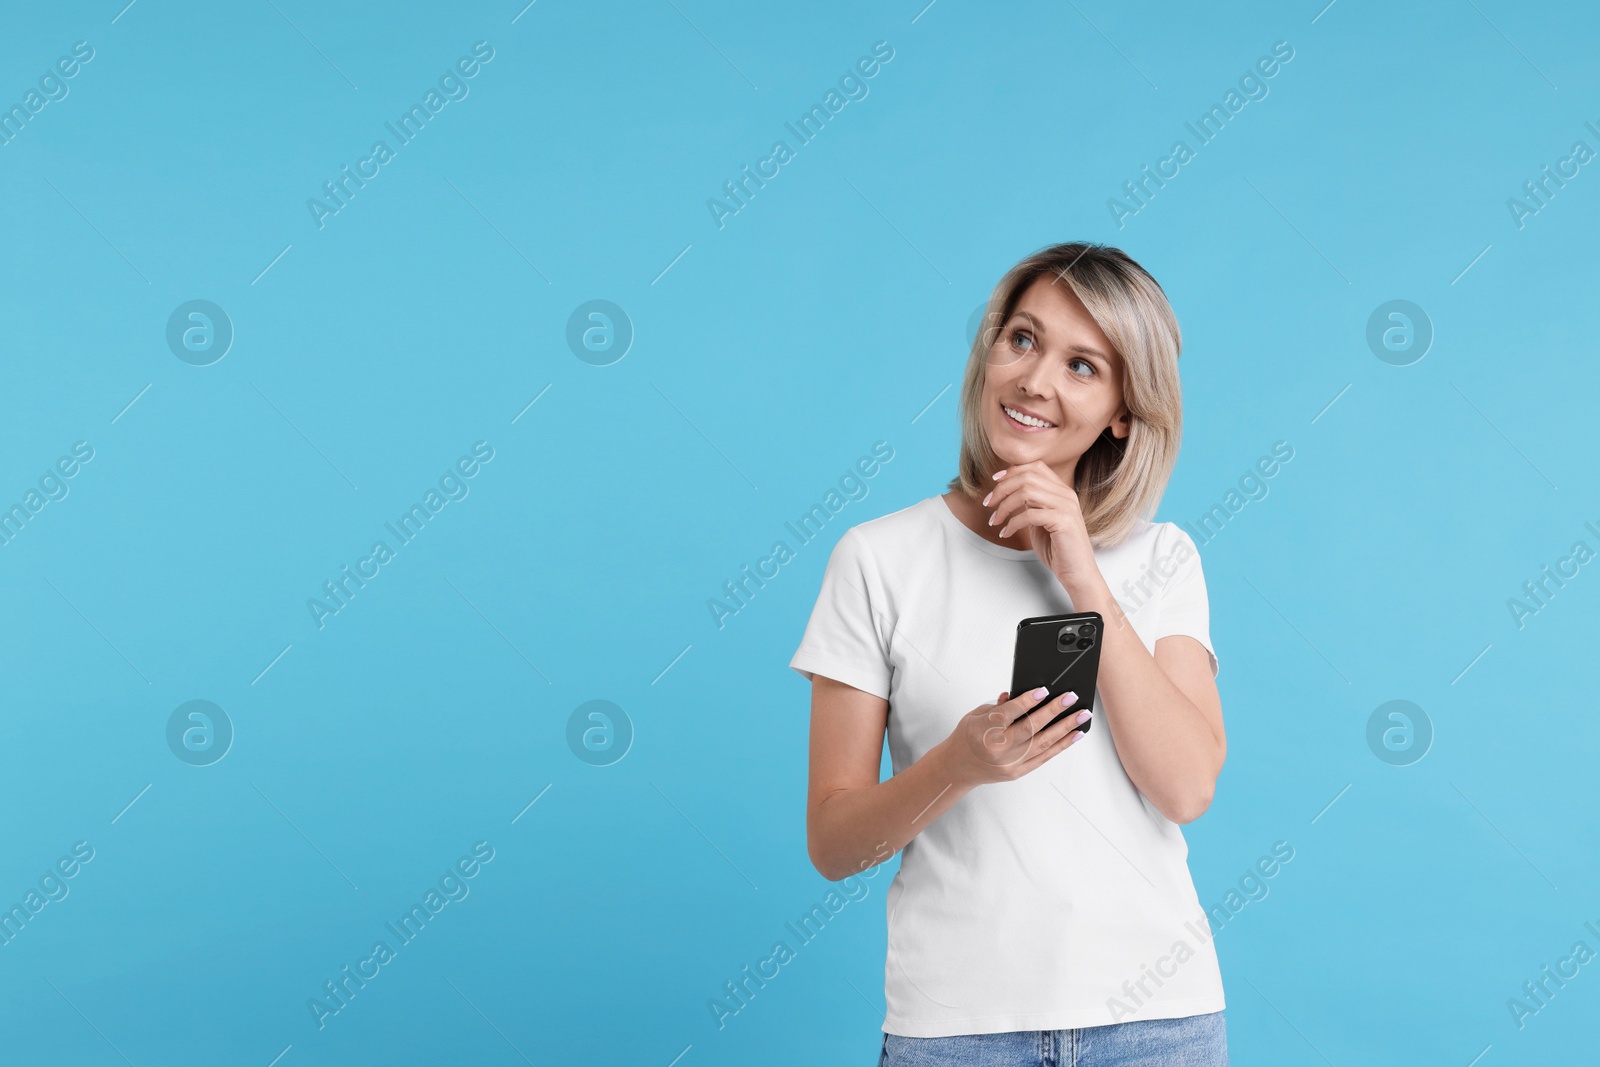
{"x": 1062, "y": 899}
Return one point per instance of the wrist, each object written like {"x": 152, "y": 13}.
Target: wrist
{"x": 947, "y": 765}
{"x": 1087, "y": 589}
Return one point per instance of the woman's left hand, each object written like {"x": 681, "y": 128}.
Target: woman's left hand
{"x": 1031, "y": 496}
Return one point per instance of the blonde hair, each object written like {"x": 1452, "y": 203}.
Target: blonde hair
{"x": 1119, "y": 481}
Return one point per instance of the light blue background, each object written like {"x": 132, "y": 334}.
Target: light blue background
{"x": 825, "y": 316}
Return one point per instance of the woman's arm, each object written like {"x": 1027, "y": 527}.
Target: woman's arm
{"x": 1163, "y": 711}
{"x": 854, "y": 821}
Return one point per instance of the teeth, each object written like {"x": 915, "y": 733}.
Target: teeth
{"x": 1026, "y": 420}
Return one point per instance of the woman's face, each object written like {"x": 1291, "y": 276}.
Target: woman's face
{"x": 1050, "y": 361}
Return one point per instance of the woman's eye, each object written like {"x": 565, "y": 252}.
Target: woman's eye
{"x": 1018, "y": 336}
{"x": 1089, "y": 367}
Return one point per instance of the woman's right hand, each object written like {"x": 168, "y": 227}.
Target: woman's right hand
{"x": 1003, "y": 741}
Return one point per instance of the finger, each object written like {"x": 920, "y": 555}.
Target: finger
{"x": 1053, "y": 740}
{"x": 1054, "y": 748}
{"x": 1007, "y": 472}
{"x": 1027, "y": 490}
{"x": 1005, "y": 509}
{"x": 1009, "y": 499}
{"x": 1022, "y": 520}
{"x": 1035, "y": 466}
{"x": 1043, "y": 485}
{"x": 1018, "y": 481}
{"x": 1017, "y": 707}
{"x": 1039, "y": 717}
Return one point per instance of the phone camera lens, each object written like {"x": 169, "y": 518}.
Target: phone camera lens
{"x": 1087, "y": 629}
{"x": 1085, "y": 643}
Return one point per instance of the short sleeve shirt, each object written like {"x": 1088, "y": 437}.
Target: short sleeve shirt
{"x": 1062, "y": 899}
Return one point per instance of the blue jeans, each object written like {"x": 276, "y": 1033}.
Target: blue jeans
{"x": 1192, "y": 1041}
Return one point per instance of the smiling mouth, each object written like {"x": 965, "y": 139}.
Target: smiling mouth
{"x": 1025, "y": 421}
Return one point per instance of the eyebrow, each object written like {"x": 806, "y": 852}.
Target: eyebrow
{"x": 1081, "y": 349}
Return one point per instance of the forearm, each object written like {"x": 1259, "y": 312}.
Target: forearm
{"x": 853, "y": 829}
{"x": 1169, "y": 751}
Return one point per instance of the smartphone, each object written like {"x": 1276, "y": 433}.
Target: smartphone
{"x": 1061, "y": 653}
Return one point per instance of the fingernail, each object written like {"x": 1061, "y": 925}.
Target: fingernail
{"x": 1067, "y": 699}
{"x": 1040, "y": 693}
{"x": 993, "y": 517}
{"x": 998, "y": 475}
{"x": 986, "y": 500}
{"x": 1084, "y": 715}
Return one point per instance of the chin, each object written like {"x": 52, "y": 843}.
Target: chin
{"x": 1008, "y": 452}
{"x": 1005, "y": 443}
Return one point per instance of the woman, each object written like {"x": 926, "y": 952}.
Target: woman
{"x": 1043, "y": 912}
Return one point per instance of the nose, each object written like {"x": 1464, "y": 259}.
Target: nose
{"x": 1036, "y": 375}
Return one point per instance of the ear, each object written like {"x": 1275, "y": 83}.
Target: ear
{"x": 1122, "y": 424}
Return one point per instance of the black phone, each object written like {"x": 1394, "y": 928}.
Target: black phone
{"x": 1061, "y": 653}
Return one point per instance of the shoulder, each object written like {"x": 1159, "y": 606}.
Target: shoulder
{"x": 1173, "y": 552}
{"x": 888, "y": 534}
{"x": 1163, "y": 547}
{"x": 1172, "y": 539}
{"x": 882, "y": 549}
{"x": 1143, "y": 539}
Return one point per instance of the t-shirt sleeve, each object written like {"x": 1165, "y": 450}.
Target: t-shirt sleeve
{"x": 844, "y": 639}
{"x": 1184, "y": 607}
